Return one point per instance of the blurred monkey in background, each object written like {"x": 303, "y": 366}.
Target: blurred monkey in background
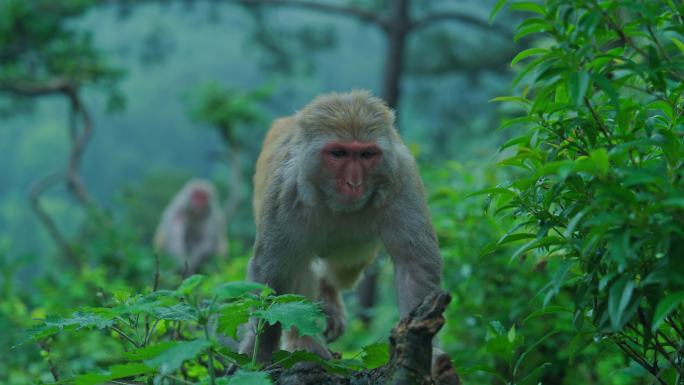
{"x": 192, "y": 227}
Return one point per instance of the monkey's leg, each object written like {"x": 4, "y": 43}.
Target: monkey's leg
{"x": 334, "y": 277}
{"x": 305, "y": 284}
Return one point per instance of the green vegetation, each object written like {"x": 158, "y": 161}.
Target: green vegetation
{"x": 563, "y": 248}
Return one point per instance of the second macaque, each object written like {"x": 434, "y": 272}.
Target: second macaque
{"x": 192, "y": 227}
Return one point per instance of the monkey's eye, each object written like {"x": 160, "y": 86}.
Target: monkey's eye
{"x": 368, "y": 154}
{"x": 338, "y": 153}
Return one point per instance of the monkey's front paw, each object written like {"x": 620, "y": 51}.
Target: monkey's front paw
{"x": 337, "y": 324}
{"x": 309, "y": 344}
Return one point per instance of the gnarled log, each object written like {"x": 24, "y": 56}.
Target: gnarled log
{"x": 411, "y": 355}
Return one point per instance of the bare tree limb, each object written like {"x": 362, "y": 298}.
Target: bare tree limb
{"x": 27, "y": 88}
{"x": 37, "y": 190}
{"x": 78, "y": 145}
{"x": 434, "y": 18}
{"x": 359, "y": 13}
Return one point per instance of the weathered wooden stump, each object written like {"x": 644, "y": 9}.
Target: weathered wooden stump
{"x": 411, "y": 361}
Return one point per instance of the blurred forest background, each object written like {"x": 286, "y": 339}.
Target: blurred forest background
{"x": 108, "y": 107}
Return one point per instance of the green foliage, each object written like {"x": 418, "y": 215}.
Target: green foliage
{"x": 48, "y": 55}
{"x": 167, "y": 333}
{"x": 598, "y": 172}
{"x": 226, "y": 110}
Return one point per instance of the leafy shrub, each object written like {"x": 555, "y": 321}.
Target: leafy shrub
{"x": 598, "y": 172}
{"x": 185, "y": 334}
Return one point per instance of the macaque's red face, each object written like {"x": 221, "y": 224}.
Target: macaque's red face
{"x": 351, "y": 164}
{"x": 199, "y": 200}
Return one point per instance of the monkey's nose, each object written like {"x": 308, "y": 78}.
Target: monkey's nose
{"x": 354, "y": 185}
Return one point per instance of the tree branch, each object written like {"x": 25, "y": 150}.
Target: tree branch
{"x": 27, "y": 88}
{"x": 434, "y": 18}
{"x": 78, "y": 145}
{"x": 359, "y": 13}
{"x": 37, "y": 190}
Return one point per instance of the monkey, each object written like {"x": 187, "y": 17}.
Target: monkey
{"x": 333, "y": 184}
{"x": 192, "y": 228}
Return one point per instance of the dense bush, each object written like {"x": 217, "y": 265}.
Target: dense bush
{"x": 599, "y": 175}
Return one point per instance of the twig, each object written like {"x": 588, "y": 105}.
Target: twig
{"x": 359, "y": 13}
{"x": 51, "y": 364}
{"x": 125, "y": 336}
{"x": 459, "y": 17}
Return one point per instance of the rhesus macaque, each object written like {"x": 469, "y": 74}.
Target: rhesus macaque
{"x": 333, "y": 184}
{"x": 192, "y": 227}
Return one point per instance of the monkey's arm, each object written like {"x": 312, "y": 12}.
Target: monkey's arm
{"x": 410, "y": 239}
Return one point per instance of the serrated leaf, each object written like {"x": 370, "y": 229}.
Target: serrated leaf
{"x": 78, "y": 320}
{"x": 239, "y": 289}
{"x": 232, "y": 316}
{"x": 189, "y": 284}
{"x": 375, "y": 355}
{"x": 305, "y": 316}
{"x": 113, "y": 373}
{"x": 243, "y": 377}
{"x": 177, "y": 312}
{"x": 285, "y": 298}
{"x": 171, "y": 359}
{"x": 149, "y": 351}
{"x": 665, "y": 307}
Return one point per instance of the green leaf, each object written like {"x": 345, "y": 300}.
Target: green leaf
{"x": 171, "y": 359}
{"x": 306, "y": 317}
{"x": 375, "y": 355}
{"x": 665, "y": 307}
{"x": 493, "y": 191}
{"x": 599, "y": 159}
{"x": 527, "y": 53}
{"x": 497, "y": 7}
{"x": 114, "y": 372}
{"x": 239, "y": 289}
{"x": 529, "y": 6}
{"x": 535, "y": 375}
{"x": 189, "y": 284}
{"x": 578, "y": 84}
{"x": 678, "y": 43}
{"x": 511, "y": 334}
{"x": 580, "y": 342}
{"x": 178, "y": 312}
{"x": 514, "y": 99}
{"x": 148, "y": 352}
{"x": 243, "y": 377}
{"x": 618, "y": 300}
{"x": 546, "y": 310}
{"x": 529, "y": 26}
{"x": 232, "y": 316}
{"x": 507, "y": 238}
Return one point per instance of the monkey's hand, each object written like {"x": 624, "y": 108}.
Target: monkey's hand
{"x": 337, "y": 321}
{"x": 294, "y": 342}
